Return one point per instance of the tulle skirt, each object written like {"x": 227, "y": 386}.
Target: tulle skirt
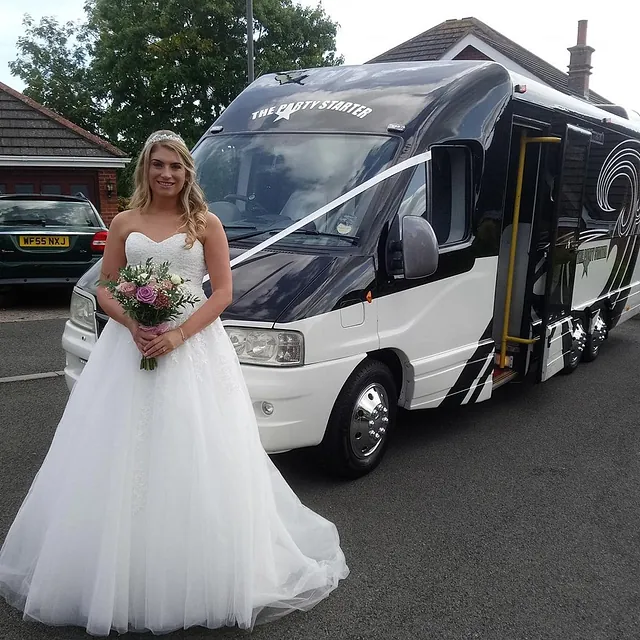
{"x": 156, "y": 507}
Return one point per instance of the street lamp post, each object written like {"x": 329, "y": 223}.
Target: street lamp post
{"x": 250, "y": 40}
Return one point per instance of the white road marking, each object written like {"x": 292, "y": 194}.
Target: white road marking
{"x": 33, "y": 376}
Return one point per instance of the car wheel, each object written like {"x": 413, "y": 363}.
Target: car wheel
{"x": 362, "y": 421}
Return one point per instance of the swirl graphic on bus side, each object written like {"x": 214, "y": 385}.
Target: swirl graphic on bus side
{"x": 622, "y": 166}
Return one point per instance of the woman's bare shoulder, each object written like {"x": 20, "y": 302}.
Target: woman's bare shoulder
{"x": 213, "y": 228}
{"x": 124, "y": 222}
{"x": 214, "y": 233}
{"x": 213, "y": 223}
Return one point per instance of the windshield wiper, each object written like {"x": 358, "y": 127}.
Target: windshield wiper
{"x": 305, "y": 232}
{"x": 324, "y": 234}
{"x": 244, "y": 236}
{"x": 41, "y": 223}
{"x": 63, "y": 223}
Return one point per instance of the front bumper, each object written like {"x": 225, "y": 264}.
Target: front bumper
{"x": 302, "y": 400}
{"x": 77, "y": 343}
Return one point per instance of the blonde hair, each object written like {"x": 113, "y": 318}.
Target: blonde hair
{"x": 191, "y": 199}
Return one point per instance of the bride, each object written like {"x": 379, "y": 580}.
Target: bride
{"x": 156, "y": 507}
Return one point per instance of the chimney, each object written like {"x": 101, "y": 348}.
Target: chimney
{"x": 580, "y": 63}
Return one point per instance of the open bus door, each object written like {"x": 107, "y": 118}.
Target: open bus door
{"x": 560, "y": 331}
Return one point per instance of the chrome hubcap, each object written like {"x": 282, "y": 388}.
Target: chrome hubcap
{"x": 599, "y": 332}
{"x": 369, "y": 421}
{"x": 579, "y": 341}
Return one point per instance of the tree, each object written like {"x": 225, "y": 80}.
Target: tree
{"x": 140, "y": 65}
{"x": 54, "y": 61}
{"x": 165, "y": 64}
{"x": 289, "y": 36}
{"x": 177, "y": 63}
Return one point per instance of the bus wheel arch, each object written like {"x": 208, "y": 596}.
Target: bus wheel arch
{"x": 363, "y": 417}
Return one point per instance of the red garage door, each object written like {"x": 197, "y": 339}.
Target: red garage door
{"x": 49, "y": 182}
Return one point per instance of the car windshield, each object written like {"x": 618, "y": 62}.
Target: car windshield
{"x": 50, "y": 213}
{"x": 263, "y": 182}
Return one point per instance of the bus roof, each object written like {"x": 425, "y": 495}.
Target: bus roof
{"x": 363, "y": 99}
{"x": 542, "y": 95}
{"x": 395, "y": 97}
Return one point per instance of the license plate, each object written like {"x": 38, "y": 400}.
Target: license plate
{"x": 44, "y": 241}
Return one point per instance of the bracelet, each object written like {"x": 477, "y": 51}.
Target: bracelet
{"x": 182, "y": 334}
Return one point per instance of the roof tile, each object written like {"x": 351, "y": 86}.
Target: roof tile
{"x": 26, "y": 126}
{"x": 434, "y": 43}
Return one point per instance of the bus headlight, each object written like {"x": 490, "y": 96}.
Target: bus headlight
{"x": 270, "y": 347}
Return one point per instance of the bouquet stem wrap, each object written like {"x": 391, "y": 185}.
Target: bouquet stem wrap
{"x": 149, "y": 364}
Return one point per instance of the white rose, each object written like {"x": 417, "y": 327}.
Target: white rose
{"x": 176, "y": 280}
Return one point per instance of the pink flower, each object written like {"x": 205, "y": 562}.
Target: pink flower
{"x": 146, "y": 294}
{"x": 162, "y": 301}
{"x": 166, "y": 285}
{"x": 126, "y": 288}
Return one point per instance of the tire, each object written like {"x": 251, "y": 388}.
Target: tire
{"x": 595, "y": 338}
{"x": 361, "y": 422}
{"x": 571, "y": 366}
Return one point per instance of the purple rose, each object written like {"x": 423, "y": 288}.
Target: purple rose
{"x": 146, "y": 294}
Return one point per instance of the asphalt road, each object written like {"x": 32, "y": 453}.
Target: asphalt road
{"x": 516, "y": 519}
{"x": 31, "y": 347}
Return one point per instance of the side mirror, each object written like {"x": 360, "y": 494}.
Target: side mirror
{"x": 419, "y": 248}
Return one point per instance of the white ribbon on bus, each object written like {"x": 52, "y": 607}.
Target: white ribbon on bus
{"x": 372, "y": 182}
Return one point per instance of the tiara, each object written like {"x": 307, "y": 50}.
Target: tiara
{"x": 159, "y": 137}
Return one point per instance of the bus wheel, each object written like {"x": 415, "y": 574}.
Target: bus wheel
{"x": 595, "y": 338}
{"x": 578, "y": 342}
{"x": 361, "y": 421}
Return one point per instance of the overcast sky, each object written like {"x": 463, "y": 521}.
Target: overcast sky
{"x": 370, "y": 27}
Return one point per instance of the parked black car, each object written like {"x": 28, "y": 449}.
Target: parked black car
{"x": 48, "y": 239}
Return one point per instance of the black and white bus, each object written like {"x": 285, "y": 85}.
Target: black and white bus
{"x": 409, "y": 235}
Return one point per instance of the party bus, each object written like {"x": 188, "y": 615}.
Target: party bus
{"x": 409, "y": 235}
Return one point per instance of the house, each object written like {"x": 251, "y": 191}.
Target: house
{"x": 42, "y": 152}
{"x": 471, "y": 39}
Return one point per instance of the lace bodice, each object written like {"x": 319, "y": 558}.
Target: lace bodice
{"x": 187, "y": 263}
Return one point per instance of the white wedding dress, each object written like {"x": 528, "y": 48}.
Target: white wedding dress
{"x": 156, "y": 507}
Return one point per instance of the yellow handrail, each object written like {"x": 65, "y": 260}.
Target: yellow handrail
{"x": 543, "y": 139}
{"x": 506, "y": 338}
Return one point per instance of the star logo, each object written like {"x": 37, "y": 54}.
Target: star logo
{"x": 285, "y": 114}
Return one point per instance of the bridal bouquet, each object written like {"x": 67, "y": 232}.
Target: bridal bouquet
{"x": 151, "y": 295}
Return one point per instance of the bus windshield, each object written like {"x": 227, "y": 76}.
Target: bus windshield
{"x": 261, "y": 183}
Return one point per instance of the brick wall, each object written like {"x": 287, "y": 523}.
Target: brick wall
{"x": 108, "y": 205}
